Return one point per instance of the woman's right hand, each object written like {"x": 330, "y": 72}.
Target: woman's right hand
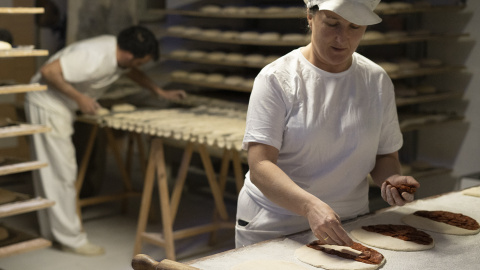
{"x": 326, "y": 225}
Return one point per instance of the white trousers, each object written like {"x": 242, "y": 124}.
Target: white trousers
{"x": 263, "y": 224}
{"x": 56, "y": 181}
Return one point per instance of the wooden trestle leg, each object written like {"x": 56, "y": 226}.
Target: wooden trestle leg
{"x": 169, "y": 206}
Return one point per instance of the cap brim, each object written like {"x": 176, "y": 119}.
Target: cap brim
{"x": 352, "y": 11}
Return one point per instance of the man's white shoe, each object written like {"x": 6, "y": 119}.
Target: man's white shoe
{"x": 87, "y": 249}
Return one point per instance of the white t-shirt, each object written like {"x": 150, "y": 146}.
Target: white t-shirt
{"x": 328, "y": 128}
{"x": 89, "y": 65}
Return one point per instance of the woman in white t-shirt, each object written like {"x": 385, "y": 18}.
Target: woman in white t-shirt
{"x": 320, "y": 119}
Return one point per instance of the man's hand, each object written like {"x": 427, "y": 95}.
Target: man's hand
{"x": 173, "y": 94}
{"x": 391, "y": 195}
{"x": 87, "y": 104}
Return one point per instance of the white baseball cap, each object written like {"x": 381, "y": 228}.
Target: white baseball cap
{"x": 356, "y": 11}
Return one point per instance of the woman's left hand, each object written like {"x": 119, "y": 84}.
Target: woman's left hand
{"x": 391, "y": 195}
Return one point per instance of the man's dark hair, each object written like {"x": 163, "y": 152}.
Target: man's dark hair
{"x": 139, "y": 41}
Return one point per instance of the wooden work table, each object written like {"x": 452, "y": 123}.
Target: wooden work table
{"x": 450, "y": 251}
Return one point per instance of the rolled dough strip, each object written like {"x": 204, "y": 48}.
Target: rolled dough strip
{"x": 332, "y": 262}
{"x": 435, "y": 226}
{"x": 387, "y": 242}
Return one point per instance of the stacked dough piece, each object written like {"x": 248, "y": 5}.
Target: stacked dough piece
{"x": 213, "y": 126}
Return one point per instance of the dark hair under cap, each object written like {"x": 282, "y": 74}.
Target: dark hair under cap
{"x": 139, "y": 41}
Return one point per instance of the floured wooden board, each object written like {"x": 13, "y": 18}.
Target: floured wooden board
{"x": 22, "y": 88}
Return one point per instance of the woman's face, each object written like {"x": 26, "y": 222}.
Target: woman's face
{"x": 334, "y": 40}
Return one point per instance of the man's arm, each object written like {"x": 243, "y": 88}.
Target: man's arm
{"x": 143, "y": 80}
{"x": 53, "y": 75}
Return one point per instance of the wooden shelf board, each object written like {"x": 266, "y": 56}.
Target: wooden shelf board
{"x": 21, "y": 167}
{"x": 211, "y": 62}
{"x": 213, "y": 85}
{"x": 21, "y": 10}
{"x": 25, "y": 206}
{"x": 383, "y": 41}
{"x": 22, "y": 53}
{"x": 403, "y": 101}
{"x": 24, "y": 246}
{"x": 295, "y": 15}
{"x": 239, "y": 42}
{"x": 22, "y": 129}
{"x": 21, "y": 88}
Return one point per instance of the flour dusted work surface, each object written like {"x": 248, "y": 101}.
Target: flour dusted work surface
{"x": 393, "y": 237}
{"x": 443, "y": 222}
{"x": 267, "y": 265}
{"x": 333, "y": 257}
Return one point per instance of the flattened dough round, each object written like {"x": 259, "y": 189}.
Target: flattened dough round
{"x": 267, "y": 265}
{"x": 321, "y": 259}
{"x": 435, "y": 226}
{"x": 387, "y": 242}
{"x": 474, "y": 191}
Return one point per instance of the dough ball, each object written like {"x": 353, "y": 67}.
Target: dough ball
{"x": 273, "y": 9}
{"x": 5, "y": 45}
{"x": 269, "y": 36}
{"x": 254, "y": 58}
{"x": 215, "y": 78}
{"x": 211, "y": 9}
{"x": 211, "y": 33}
{"x": 102, "y": 111}
{"x": 400, "y": 5}
{"x": 193, "y": 31}
{"x": 234, "y": 57}
{"x": 197, "y": 54}
{"x": 389, "y": 67}
{"x": 216, "y": 56}
{"x": 179, "y": 74}
{"x": 249, "y": 35}
{"x": 125, "y": 107}
{"x": 373, "y": 35}
{"x": 179, "y": 53}
{"x": 293, "y": 37}
{"x": 233, "y": 80}
{"x": 197, "y": 76}
{"x": 176, "y": 29}
{"x": 229, "y": 35}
